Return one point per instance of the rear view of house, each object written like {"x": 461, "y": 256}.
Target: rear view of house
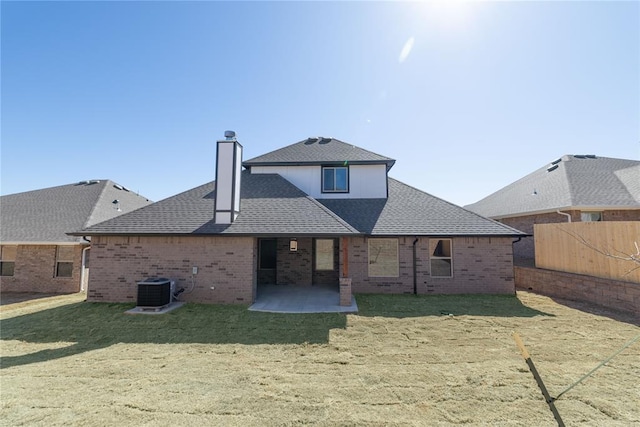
{"x": 36, "y": 253}
{"x": 319, "y": 212}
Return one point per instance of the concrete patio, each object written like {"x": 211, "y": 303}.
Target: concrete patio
{"x": 301, "y": 299}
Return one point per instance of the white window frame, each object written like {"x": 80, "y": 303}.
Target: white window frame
{"x": 373, "y": 257}
{"x": 433, "y": 257}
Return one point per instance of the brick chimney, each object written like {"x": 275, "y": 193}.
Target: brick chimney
{"x": 228, "y": 172}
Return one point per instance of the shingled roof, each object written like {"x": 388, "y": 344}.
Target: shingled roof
{"x": 272, "y": 206}
{"x": 319, "y": 150}
{"x": 571, "y": 182}
{"x": 46, "y": 215}
{"x": 409, "y": 211}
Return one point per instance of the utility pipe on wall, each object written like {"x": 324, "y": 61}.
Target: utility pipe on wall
{"x": 415, "y": 274}
{"x": 82, "y": 269}
{"x": 565, "y": 214}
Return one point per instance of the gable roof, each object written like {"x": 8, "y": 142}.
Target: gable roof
{"x": 571, "y": 182}
{"x": 319, "y": 151}
{"x": 272, "y": 206}
{"x": 46, "y": 215}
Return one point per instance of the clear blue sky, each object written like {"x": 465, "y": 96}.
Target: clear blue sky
{"x": 466, "y": 97}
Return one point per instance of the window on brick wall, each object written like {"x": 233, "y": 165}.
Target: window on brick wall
{"x": 324, "y": 256}
{"x": 441, "y": 258}
{"x": 383, "y": 258}
{"x": 64, "y": 261}
{"x": 590, "y": 216}
{"x": 7, "y": 260}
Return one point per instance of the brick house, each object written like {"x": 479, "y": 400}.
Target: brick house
{"x": 317, "y": 212}
{"x": 36, "y": 254}
{"x": 571, "y": 188}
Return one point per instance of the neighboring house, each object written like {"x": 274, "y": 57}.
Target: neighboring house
{"x": 571, "y": 188}
{"x": 36, "y": 253}
{"x": 317, "y": 212}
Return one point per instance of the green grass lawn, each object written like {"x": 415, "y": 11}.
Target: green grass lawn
{"x": 402, "y": 360}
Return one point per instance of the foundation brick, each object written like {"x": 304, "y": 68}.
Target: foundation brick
{"x": 613, "y": 294}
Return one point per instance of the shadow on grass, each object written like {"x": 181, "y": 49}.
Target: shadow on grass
{"x": 401, "y": 306}
{"x": 588, "y": 307}
{"x": 97, "y": 325}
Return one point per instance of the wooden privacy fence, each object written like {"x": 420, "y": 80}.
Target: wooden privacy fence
{"x": 590, "y": 248}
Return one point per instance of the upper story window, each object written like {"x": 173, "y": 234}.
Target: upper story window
{"x": 335, "y": 179}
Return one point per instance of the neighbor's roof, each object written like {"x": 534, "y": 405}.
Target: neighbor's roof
{"x": 272, "y": 206}
{"x": 317, "y": 151}
{"x": 46, "y": 215}
{"x": 573, "y": 181}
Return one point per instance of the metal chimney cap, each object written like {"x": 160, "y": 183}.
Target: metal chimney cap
{"x": 229, "y": 134}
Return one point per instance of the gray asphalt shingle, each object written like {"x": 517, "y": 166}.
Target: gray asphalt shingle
{"x": 46, "y": 215}
{"x": 271, "y": 205}
{"x": 409, "y": 211}
{"x": 599, "y": 182}
{"x": 319, "y": 151}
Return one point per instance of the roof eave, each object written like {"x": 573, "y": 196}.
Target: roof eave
{"x": 389, "y": 163}
{"x": 565, "y": 208}
{"x": 41, "y": 242}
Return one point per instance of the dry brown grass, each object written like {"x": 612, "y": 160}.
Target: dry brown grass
{"x": 402, "y": 361}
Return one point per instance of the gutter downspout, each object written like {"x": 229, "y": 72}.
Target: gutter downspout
{"x": 415, "y": 277}
{"x": 565, "y": 214}
{"x": 84, "y": 259}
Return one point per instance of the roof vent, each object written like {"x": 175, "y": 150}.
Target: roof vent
{"x": 555, "y": 162}
{"x": 230, "y": 135}
{"x": 552, "y": 168}
{"x": 580, "y": 156}
{"x": 590, "y": 156}
{"x": 118, "y": 186}
{"x": 324, "y": 140}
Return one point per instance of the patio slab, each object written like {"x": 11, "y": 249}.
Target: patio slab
{"x": 301, "y": 299}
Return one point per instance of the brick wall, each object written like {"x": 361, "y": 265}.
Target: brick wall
{"x": 480, "y": 265}
{"x": 226, "y": 267}
{"x": 34, "y": 271}
{"x": 608, "y": 293}
{"x": 621, "y": 215}
{"x": 294, "y": 268}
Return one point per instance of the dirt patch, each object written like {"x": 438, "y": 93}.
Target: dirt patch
{"x": 404, "y": 360}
